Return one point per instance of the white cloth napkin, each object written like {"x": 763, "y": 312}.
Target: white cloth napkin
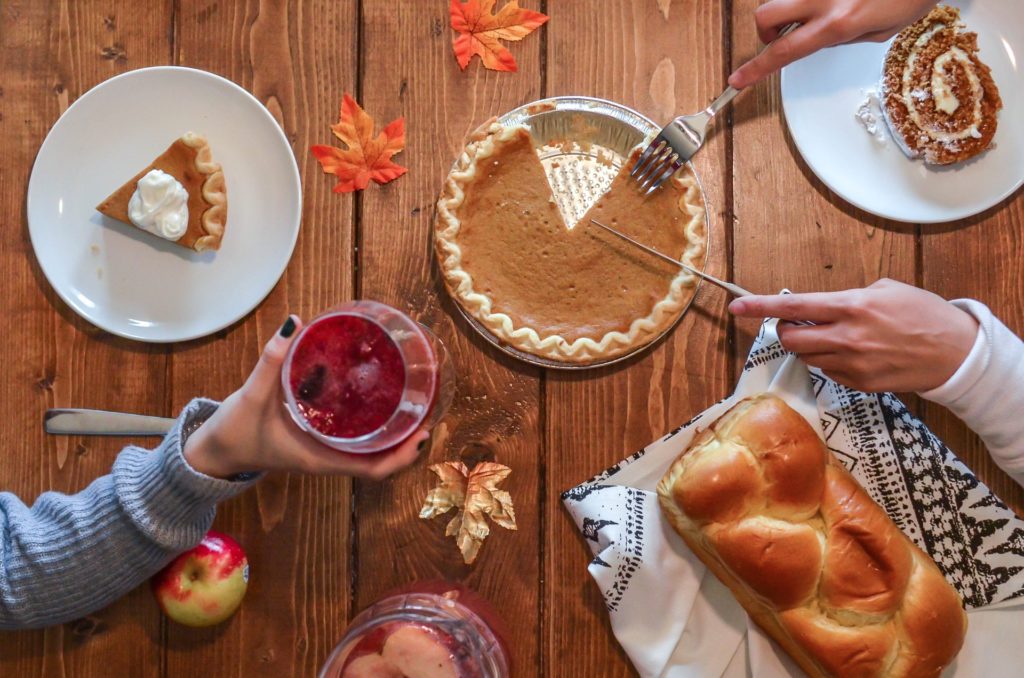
{"x": 675, "y": 619}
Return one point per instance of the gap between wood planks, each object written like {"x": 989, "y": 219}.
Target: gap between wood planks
{"x": 727, "y": 188}
{"x": 357, "y": 289}
{"x": 542, "y": 430}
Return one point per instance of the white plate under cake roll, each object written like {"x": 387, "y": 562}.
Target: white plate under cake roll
{"x": 823, "y": 96}
{"x": 938, "y": 97}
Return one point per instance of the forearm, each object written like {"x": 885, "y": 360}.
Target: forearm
{"x": 67, "y": 556}
{"x": 987, "y": 392}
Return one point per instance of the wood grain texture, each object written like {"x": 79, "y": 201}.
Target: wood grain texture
{"x": 983, "y": 259}
{"x": 773, "y": 224}
{"x": 663, "y": 64}
{"x": 409, "y": 69}
{"x": 789, "y": 230}
{"x": 291, "y": 57}
{"x": 50, "y": 54}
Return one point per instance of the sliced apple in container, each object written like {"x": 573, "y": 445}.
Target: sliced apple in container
{"x": 404, "y": 650}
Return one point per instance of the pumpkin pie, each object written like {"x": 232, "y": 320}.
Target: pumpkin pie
{"x": 571, "y": 293}
{"x": 188, "y": 162}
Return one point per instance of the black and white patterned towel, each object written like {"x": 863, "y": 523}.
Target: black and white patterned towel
{"x": 975, "y": 539}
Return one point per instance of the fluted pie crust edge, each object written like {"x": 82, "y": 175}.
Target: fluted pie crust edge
{"x": 484, "y": 143}
{"x": 215, "y": 192}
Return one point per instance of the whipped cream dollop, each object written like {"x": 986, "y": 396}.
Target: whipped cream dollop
{"x": 160, "y": 205}
{"x": 869, "y": 115}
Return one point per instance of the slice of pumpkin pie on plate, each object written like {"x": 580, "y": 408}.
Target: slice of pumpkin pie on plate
{"x": 180, "y": 197}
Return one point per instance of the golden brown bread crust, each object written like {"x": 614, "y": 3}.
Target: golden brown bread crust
{"x": 861, "y": 538}
{"x": 938, "y": 97}
{"x": 813, "y": 560}
{"x": 776, "y": 561}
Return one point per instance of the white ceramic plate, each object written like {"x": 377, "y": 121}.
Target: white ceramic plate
{"x": 820, "y": 95}
{"x": 133, "y": 284}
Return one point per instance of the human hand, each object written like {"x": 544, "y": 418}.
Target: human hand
{"x": 252, "y": 431}
{"x": 823, "y": 23}
{"x": 886, "y": 337}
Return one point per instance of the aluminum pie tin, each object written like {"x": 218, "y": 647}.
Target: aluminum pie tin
{"x": 602, "y": 134}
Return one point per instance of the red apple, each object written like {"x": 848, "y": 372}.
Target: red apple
{"x": 204, "y": 586}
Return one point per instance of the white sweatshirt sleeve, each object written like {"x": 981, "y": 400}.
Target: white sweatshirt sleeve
{"x": 987, "y": 391}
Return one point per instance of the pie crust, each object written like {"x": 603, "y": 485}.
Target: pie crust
{"x": 190, "y": 161}
{"x": 578, "y": 295}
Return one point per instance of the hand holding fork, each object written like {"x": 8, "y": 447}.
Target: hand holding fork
{"x": 681, "y": 138}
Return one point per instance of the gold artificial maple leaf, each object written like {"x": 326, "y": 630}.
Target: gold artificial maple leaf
{"x": 475, "y": 495}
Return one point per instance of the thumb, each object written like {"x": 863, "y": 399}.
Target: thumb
{"x": 267, "y": 373}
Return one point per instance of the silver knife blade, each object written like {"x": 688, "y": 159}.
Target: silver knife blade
{"x": 77, "y": 421}
{"x": 729, "y": 287}
{"x": 732, "y": 289}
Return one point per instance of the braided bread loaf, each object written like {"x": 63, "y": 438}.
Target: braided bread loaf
{"x": 814, "y": 561}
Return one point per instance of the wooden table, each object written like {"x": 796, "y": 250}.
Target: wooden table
{"x": 323, "y": 548}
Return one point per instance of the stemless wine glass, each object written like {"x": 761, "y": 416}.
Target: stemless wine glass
{"x": 364, "y": 376}
{"x": 432, "y": 628}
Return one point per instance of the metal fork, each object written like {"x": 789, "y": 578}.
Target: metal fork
{"x": 681, "y": 138}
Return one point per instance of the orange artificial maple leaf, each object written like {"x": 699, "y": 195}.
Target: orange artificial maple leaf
{"x": 364, "y": 157}
{"x": 479, "y": 31}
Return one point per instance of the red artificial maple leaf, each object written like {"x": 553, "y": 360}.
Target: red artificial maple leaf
{"x": 479, "y": 30}
{"x": 364, "y": 157}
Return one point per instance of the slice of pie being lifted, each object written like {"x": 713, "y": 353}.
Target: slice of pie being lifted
{"x": 575, "y": 295}
{"x": 181, "y": 196}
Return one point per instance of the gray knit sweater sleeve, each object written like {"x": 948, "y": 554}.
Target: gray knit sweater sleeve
{"x": 67, "y": 556}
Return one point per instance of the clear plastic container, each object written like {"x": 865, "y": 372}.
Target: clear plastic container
{"x": 433, "y": 630}
{"x": 364, "y": 376}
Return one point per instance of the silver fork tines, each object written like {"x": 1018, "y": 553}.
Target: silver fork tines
{"x": 652, "y": 152}
{"x": 649, "y": 176}
{"x": 680, "y": 139}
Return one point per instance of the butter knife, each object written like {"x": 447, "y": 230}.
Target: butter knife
{"x": 729, "y": 287}
{"x": 77, "y": 421}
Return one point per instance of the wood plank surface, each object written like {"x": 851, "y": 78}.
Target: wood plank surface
{"x": 789, "y": 229}
{"x": 50, "y": 54}
{"x": 641, "y": 54}
{"x": 291, "y": 57}
{"x": 322, "y": 549}
{"x": 408, "y": 69}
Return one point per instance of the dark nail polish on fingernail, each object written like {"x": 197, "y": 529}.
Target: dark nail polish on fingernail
{"x": 423, "y": 446}
{"x": 288, "y": 328}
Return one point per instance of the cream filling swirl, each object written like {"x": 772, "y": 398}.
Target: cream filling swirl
{"x": 941, "y": 89}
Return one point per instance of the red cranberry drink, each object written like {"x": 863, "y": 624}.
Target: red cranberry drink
{"x": 433, "y": 630}
{"x": 364, "y": 377}
{"x": 347, "y": 376}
